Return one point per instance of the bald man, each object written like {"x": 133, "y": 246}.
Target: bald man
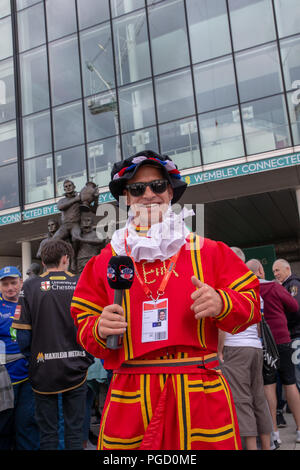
{"x": 278, "y": 306}
{"x": 283, "y": 273}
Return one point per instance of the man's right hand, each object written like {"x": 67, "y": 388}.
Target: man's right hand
{"x": 112, "y": 321}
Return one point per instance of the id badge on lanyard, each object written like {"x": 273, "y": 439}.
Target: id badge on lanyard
{"x": 155, "y": 311}
{"x": 155, "y": 320}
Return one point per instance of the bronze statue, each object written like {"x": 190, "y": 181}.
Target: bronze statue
{"x": 89, "y": 197}
{"x": 76, "y": 226}
{"x": 33, "y": 270}
{"x": 89, "y": 244}
{"x": 53, "y": 226}
{"x": 70, "y": 206}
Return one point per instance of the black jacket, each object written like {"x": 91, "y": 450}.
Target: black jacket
{"x": 292, "y": 284}
{"x": 57, "y": 362}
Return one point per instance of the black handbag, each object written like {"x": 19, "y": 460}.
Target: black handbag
{"x": 270, "y": 351}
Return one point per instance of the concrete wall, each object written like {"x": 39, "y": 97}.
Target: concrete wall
{"x": 296, "y": 267}
{"x": 10, "y": 261}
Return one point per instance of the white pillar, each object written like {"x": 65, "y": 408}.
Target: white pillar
{"x": 196, "y": 222}
{"x": 298, "y": 200}
{"x": 26, "y": 258}
{"x": 200, "y": 220}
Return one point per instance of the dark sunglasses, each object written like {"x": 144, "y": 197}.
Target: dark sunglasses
{"x": 138, "y": 189}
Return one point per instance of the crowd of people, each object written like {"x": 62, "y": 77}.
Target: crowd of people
{"x": 191, "y": 378}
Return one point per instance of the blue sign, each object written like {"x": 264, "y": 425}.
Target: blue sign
{"x": 10, "y": 218}
{"x": 273, "y": 163}
{"x": 40, "y": 212}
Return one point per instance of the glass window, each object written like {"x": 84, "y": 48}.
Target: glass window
{"x": 174, "y": 95}
{"x": 64, "y": 70}
{"x": 290, "y": 54}
{"x": 68, "y": 125}
{"x": 180, "y": 141}
{"x": 258, "y": 72}
{"x": 101, "y": 116}
{"x": 265, "y": 125}
{"x": 252, "y": 22}
{"x": 167, "y": 29}
{"x": 8, "y": 143}
{"x": 131, "y": 48}
{"x": 97, "y": 60}
{"x": 215, "y": 84}
{"x": 34, "y": 81}
{"x": 6, "y": 47}
{"x": 101, "y": 157}
{"x": 7, "y": 91}
{"x": 221, "y": 135}
{"x": 70, "y": 164}
{"x": 134, "y": 142}
{"x": 126, "y": 6}
{"x": 294, "y": 110}
{"x": 61, "y": 18}
{"x": 9, "y": 187}
{"x": 4, "y": 8}
{"x": 37, "y": 134}
{"x": 288, "y": 17}
{"x": 136, "y": 106}
{"x": 25, "y": 3}
{"x": 204, "y": 21}
{"x": 39, "y": 179}
{"x": 92, "y": 12}
{"x": 28, "y": 35}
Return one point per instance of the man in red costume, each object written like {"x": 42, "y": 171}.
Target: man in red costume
{"x": 167, "y": 391}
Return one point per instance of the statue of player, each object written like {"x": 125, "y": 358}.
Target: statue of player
{"x": 33, "y": 270}
{"x": 89, "y": 244}
{"x": 89, "y": 196}
{"x": 69, "y": 205}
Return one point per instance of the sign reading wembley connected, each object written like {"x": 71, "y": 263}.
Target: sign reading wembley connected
{"x": 243, "y": 169}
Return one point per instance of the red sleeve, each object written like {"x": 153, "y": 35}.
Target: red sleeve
{"x": 239, "y": 289}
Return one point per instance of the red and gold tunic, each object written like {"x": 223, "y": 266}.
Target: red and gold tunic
{"x": 169, "y": 394}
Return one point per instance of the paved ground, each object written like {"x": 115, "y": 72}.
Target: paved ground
{"x": 288, "y": 434}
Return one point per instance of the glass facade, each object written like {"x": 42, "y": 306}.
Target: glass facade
{"x": 9, "y": 180}
{"x": 85, "y": 83}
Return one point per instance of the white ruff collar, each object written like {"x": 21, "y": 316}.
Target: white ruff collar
{"x": 163, "y": 239}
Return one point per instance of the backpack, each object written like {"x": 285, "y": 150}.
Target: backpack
{"x": 270, "y": 351}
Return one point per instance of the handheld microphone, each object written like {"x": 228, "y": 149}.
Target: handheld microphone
{"x": 120, "y": 275}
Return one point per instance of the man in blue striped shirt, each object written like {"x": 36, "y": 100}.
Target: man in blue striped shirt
{"x": 18, "y": 429}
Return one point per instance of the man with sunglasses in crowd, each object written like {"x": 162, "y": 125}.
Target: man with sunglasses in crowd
{"x": 166, "y": 391}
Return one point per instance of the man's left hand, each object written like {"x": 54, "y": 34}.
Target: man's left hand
{"x": 207, "y": 301}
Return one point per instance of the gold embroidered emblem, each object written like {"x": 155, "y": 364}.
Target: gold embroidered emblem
{"x": 157, "y": 272}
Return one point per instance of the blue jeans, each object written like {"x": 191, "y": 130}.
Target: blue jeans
{"x": 47, "y": 416}
{"x": 61, "y": 438}
{"x": 18, "y": 428}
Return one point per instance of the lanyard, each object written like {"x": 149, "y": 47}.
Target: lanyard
{"x": 165, "y": 279}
